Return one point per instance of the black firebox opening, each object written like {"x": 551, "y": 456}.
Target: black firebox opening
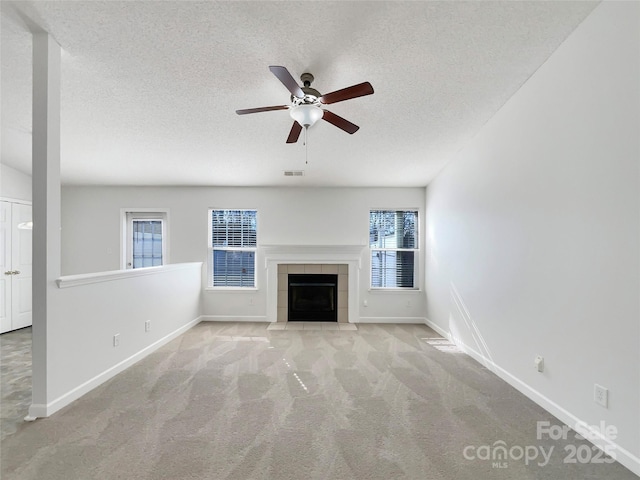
{"x": 313, "y": 298}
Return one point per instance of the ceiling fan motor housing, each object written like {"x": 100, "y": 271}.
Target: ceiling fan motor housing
{"x": 311, "y": 95}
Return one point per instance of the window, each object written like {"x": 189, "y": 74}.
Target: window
{"x": 232, "y": 248}
{"x": 393, "y": 240}
{"x": 145, "y": 239}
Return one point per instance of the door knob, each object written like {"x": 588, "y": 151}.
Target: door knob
{"x": 9, "y": 272}
{"x": 16, "y": 272}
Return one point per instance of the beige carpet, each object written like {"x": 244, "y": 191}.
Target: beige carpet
{"x": 238, "y": 401}
{"x": 15, "y": 379}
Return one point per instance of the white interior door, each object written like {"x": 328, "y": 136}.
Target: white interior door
{"x": 15, "y": 266}
{"x": 5, "y": 267}
{"x": 21, "y": 234}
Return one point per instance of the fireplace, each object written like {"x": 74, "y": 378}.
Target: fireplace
{"x": 313, "y": 297}
{"x": 342, "y": 260}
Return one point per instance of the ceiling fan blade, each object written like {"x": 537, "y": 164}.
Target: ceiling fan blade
{"x": 294, "y": 134}
{"x": 261, "y": 109}
{"x": 348, "y": 93}
{"x": 340, "y": 122}
{"x": 285, "y": 77}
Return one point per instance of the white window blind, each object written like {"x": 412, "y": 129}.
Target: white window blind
{"x": 233, "y": 244}
{"x": 393, "y": 241}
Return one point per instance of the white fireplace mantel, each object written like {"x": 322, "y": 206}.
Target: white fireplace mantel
{"x": 275, "y": 255}
{"x": 312, "y": 253}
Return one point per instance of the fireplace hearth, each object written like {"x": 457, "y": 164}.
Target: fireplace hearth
{"x": 313, "y": 297}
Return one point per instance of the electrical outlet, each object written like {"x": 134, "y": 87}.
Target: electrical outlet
{"x": 539, "y": 363}
{"x": 601, "y": 395}
{"x": 147, "y": 325}
{"x": 116, "y": 340}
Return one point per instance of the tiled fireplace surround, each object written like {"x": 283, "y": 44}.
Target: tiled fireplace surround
{"x": 343, "y": 260}
{"x": 342, "y": 270}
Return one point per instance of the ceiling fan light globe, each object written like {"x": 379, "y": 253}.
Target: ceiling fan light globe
{"x": 306, "y": 115}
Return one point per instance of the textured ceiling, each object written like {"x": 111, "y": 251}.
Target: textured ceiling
{"x": 150, "y": 88}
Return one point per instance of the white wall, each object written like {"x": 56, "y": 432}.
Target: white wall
{"x": 533, "y": 231}
{"x": 286, "y": 216}
{"x": 14, "y": 184}
{"x": 84, "y": 318}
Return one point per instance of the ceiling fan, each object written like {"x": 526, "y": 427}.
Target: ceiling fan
{"x": 306, "y": 103}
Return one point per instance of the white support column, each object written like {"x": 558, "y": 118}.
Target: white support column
{"x": 46, "y": 206}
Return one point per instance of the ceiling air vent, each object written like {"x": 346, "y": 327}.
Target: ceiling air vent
{"x": 294, "y": 173}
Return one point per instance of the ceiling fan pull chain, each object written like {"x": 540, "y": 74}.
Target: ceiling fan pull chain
{"x": 306, "y": 147}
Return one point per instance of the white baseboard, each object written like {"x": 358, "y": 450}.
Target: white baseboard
{"x": 40, "y": 410}
{"x": 234, "y": 318}
{"x": 420, "y": 320}
{"x": 622, "y": 455}
{"x": 439, "y": 330}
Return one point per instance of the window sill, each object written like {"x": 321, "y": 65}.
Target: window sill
{"x": 230, "y": 289}
{"x": 395, "y": 290}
